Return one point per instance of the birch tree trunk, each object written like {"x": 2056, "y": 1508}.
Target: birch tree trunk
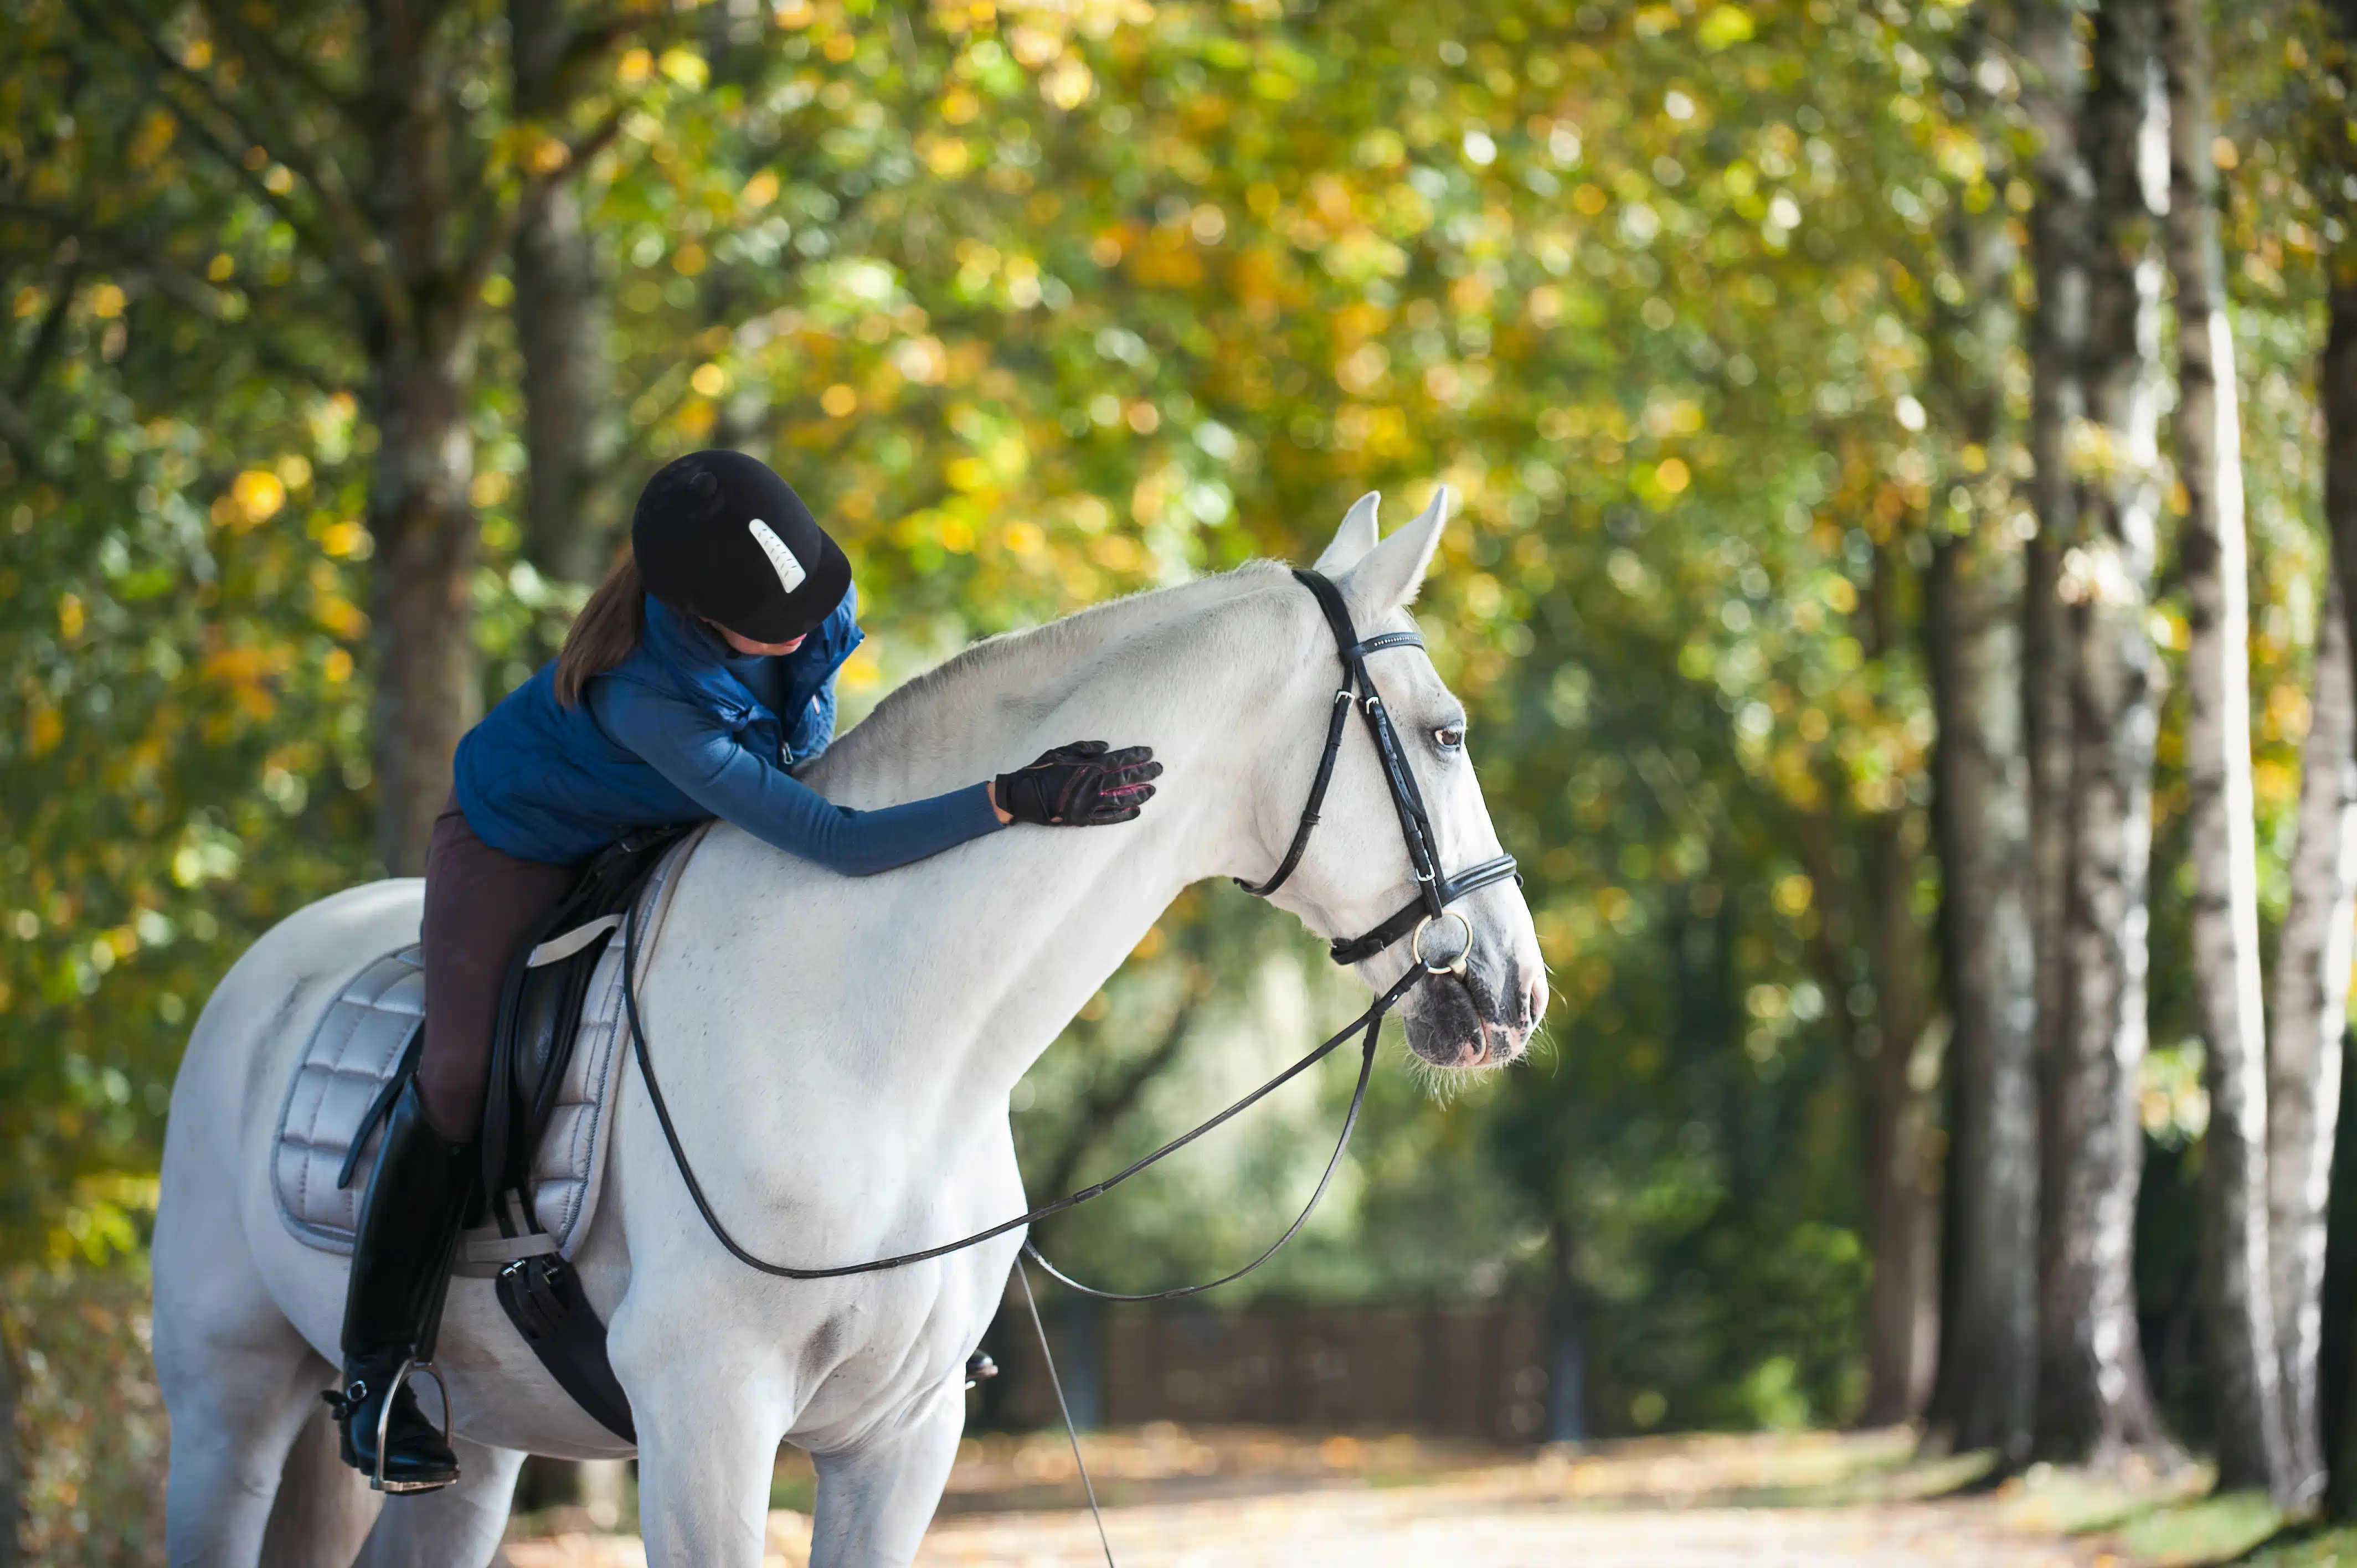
{"x": 1980, "y": 830}
{"x": 2310, "y": 1012}
{"x": 2093, "y": 1400}
{"x": 572, "y": 509}
{"x": 2228, "y": 990}
{"x": 1981, "y": 824}
{"x": 2337, "y": 1402}
{"x": 2060, "y": 235}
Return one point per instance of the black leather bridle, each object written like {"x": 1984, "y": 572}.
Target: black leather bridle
{"x": 1427, "y": 910}
{"x": 1433, "y": 895}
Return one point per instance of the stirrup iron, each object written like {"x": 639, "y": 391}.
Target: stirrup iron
{"x": 343, "y": 1404}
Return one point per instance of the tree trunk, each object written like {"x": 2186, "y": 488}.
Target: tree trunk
{"x": 1566, "y": 1406}
{"x": 1981, "y": 827}
{"x": 2221, "y": 810}
{"x": 2310, "y": 1013}
{"x": 1879, "y": 940}
{"x": 571, "y": 511}
{"x": 2060, "y": 243}
{"x": 420, "y": 353}
{"x": 2337, "y": 1374}
{"x": 12, "y": 1507}
{"x": 1901, "y": 1079}
{"x": 426, "y": 533}
{"x": 2093, "y": 1396}
{"x": 2336, "y": 1336}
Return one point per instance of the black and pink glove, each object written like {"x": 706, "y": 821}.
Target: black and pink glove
{"x": 1080, "y": 786}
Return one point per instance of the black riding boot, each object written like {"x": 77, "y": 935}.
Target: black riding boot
{"x": 401, "y": 1258}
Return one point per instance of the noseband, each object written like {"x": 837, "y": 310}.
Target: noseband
{"x": 1434, "y": 895}
{"x": 1426, "y": 911}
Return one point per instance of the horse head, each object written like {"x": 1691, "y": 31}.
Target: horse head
{"x": 1484, "y": 989}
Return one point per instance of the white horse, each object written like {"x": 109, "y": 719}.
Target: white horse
{"x": 838, "y": 1055}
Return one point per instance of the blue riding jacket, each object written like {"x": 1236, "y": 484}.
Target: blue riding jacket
{"x": 683, "y": 730}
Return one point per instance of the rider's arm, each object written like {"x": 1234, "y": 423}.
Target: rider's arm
{"x": 692, "y": 750}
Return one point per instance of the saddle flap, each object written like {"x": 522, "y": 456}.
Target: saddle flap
{"x": 548, "y": 981}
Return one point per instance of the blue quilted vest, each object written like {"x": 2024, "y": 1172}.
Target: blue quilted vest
{"x": 542, "y": 781}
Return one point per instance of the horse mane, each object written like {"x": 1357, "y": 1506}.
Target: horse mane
{"x": 931, "y": 715}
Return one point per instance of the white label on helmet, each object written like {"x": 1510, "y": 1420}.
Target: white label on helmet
{"x": 789, "y": 571}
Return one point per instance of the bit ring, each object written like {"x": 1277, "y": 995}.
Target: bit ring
{"x": 1454, "y": 965}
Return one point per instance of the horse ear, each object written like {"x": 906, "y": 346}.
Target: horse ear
{"x": 1390, "y": 574}
{"x": 1353, "y": 539}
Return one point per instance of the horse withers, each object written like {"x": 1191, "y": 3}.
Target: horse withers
{"x": 837, "y": 1056}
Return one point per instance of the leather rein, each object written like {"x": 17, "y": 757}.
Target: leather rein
{"x": 1421, "y": 917}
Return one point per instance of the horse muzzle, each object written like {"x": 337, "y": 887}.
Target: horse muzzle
{"x": 1479, "y": 1017}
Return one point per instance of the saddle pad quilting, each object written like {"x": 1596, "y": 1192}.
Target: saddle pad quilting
{"x": 355, "y": 1049}
{"x": 358, "y": 1045}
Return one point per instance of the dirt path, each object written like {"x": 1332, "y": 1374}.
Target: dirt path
{"x": 1392, "y": 1529}
{"x": 1258, "y": 1500}
{"x": 1428, "y": 1528}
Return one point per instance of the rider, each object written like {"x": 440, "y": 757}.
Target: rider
{"x": 697, "y": 675}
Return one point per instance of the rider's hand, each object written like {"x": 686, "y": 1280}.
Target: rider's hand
{"x": 1078, "y": 786}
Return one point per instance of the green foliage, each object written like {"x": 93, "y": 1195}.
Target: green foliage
{"x": 90, "y": 1424}
{"x": 1042, "y": 305}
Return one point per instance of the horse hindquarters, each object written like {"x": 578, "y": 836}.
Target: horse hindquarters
{"x": 241, "y": 1383}
{"x": 252, "y": 1460}
{"x": 239, "y": 1378}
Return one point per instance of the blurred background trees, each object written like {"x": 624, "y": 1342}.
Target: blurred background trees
{"x": 1903, "y": 446}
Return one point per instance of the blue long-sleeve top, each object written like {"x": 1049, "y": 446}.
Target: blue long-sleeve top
{"x": 683, "y": 730}
{"x": 729, "y": 779}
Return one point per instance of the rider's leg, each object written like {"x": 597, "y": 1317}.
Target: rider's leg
{"x": 400, "y": 1262}
{"x": 480, "y": 904}
{"x": 875, "y": 1500}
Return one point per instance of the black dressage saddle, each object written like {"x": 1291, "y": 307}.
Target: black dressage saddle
{"x": 540, "y": 1014}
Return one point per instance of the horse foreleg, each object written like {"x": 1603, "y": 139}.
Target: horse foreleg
{"x": 707, "y": 1453}
{"x": 875, "y": 1500}
{"x": 457, "y": 1527}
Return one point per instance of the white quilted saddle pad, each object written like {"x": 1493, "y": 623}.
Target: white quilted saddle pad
{"x": 358, "y": 1047}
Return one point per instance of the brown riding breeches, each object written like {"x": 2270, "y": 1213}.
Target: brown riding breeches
{"x": 480, "y": 904}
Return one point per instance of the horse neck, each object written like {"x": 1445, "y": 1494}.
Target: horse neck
{"x": 1009, "y": 937}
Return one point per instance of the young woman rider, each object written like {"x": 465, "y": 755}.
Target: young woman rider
{"x": 697, "y": 675}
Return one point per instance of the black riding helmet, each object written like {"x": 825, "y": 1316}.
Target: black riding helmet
{"x": 720, "y": 537}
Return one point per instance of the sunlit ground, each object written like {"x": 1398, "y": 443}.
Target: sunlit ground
{"x": 1254, "y": 1499}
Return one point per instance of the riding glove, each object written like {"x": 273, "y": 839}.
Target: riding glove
{"x": 1083, "y": 785}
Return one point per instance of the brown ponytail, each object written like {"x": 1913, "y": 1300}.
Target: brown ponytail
{"x": 605, "y": 631}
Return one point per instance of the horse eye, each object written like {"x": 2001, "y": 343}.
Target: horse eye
{"x": 1449, "y": 738}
